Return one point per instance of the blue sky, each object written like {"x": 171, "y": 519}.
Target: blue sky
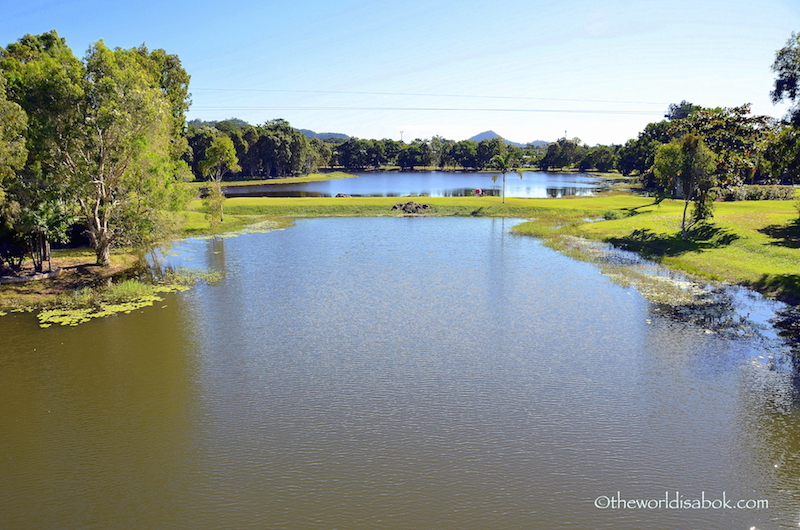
{"x": 529, "y": 70}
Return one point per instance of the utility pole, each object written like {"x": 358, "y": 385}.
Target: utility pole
{"x": 401, "y": 136}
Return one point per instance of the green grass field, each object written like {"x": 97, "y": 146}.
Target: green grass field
{"x": 380, "y": 206}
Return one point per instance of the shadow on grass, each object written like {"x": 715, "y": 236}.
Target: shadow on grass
{"x": 785, "y": 287}
{"x": 787, "y": 235}
{"x": 652, "y": 244}
{"x": 634, "y": 209}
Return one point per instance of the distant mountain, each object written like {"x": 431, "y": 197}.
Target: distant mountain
{"x": 538, "y": 143}
{"x": 489, "y": 135}
{"x": 325, "y": 135}
{"x": 486, "y": 135}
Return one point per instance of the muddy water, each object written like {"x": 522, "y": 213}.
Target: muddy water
{"x": 394, "y": 373}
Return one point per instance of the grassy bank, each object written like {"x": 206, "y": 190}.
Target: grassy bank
{"x": 84, "y": 290}
{"x": 78, "y": 270}
{"x": 570, "y": 208}
{"x": 752, "y": 243}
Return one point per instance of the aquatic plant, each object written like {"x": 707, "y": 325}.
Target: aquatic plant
{"x": 83, "y": 305}
{"x": 189, "y": 277}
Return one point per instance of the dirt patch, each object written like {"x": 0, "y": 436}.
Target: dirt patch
{"x": 77, "y": 272}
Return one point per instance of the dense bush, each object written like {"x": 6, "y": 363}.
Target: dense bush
{"x": 613, "y": 215}
{"x": 758, "y": 193}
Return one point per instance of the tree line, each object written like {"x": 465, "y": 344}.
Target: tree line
{"x": 275, "y": 149}
{"x": 751, "y": 149}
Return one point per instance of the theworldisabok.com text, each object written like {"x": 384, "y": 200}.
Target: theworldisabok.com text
{"x": 676, "y": 501}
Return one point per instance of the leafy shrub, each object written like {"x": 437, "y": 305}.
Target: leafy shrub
{"x": 85, "y": 296}
{"x": 758, "y": 193}
{"x": 611, "y": 215}
{"x": 127, "y": 290}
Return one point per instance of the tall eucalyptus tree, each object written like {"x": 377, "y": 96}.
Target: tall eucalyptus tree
{"x": 104, "y": 133}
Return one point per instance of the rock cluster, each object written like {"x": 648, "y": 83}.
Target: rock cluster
{"x": 411, "y": 207}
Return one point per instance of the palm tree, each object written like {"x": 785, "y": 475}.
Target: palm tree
{"x": 505, "y": 163}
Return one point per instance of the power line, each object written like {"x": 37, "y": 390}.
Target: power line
{"x": 472, "y": 96}
{"x": 435, "y": 109}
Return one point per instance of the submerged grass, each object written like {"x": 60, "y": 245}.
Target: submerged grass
{"x": 751, "y": 243}
{"x": 662, "y": 290}
{"x": 87, "y": 303}
{"x": 195, "y": 223}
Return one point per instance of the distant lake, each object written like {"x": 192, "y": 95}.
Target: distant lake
{"x": 533, "y": 184}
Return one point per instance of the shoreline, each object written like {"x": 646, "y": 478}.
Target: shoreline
{"x": 750, "y": 244}
{"x": 312, "y": 177}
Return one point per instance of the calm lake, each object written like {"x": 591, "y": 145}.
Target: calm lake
{"x": 533, "y": 184}
{"x": 394, "y": 373}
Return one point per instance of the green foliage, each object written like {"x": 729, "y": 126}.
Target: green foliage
{"x": 275, "y": 150}
{"x": 563, "y": 153}
{"x": 465, "y": 154}
{"x": 686, "y": 165}
{"x": 127, "y": 290}
{"x": 782, "y": 154}
{"x": 219, "y": 157}
{"x": 638, "y": 155}
{"x": 487, "y": 150}
{"x": 678, "y": 111}
{"x": 787, "y": 83}
{"x": 47, "y": 221}
{"x": 199, "y": 139}
{"x": 83, "y": 305}
{"x": 104, "y": 133}
{"x": 190, "y": 277}
{"x": 43, "y": 80}
{"x": 13, "y": 123}
{"x": 611, "y": 215}
{"x": 602, "y": 158}
{"x": 505, "y": 163}
{"x": 173, "y": 81}
{"x": 758, "y": 193}
{"x": 411, "y": 155}
{"x": 214, "y": 202}
{"x": 738, "y": 140}
{"x": 357, "y": 153}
